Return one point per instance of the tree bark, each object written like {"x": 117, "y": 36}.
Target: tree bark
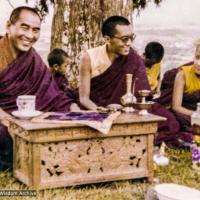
{"x": 77, "y": 25}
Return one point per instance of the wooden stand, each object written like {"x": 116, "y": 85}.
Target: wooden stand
{"x": 55, "y": 155}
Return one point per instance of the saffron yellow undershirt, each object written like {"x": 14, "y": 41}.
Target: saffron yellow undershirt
{"x": 192, "y": 81}
{"x": 153, "y": 75}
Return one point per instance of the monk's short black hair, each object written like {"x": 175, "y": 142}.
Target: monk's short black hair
{"x": 108, "y": 27}
{"x": 17, "y": 11}
{"x": 154, "y": 51}
{"x": 56, "y": 56}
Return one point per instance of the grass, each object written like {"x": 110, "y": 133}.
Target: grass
{"x": 178, "y": 171}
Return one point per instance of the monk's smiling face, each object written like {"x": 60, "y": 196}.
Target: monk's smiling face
{"x": 121, "y": 41}
{"x": 197, "y": 60}
{"x": 24, "y": 32}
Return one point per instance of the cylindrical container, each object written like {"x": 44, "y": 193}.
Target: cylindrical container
{"x": 26, "y": 103}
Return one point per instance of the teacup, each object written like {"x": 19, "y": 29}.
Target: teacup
{"x": 26, "y": 103}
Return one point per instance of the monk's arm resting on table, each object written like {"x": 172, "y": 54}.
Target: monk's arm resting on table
{"x": 74, "y": 107}
{"x": 178, "y": 92}
{"x": 85, "y": 79}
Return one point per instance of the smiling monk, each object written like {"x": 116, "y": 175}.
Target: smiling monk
{"x": 103, "y": 69}
{"x": 22, "y": 71}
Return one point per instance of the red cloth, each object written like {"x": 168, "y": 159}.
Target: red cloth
{"x": 167, "y": 86}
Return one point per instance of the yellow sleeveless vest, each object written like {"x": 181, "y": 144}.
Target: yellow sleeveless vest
{"x": 99, "y": 60}
{"x": 153, "y": 74}
{"x": 192, "y": 82}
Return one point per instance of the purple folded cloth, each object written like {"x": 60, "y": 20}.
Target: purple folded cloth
{"x": 90, "y": 116}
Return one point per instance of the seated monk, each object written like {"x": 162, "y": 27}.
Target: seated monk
{"x": 59, "y": 61}
{"x": 186, "y": 91}
{"x": 180, "y": 93}
{"x": 22, "y": 71}
{"x": 103, "y": 70}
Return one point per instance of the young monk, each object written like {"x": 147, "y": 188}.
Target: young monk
{"x": 153, "y": 54}
{"x": 59, "y": 61}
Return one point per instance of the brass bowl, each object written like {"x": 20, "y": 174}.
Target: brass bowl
{"x": 143, "y": 106}
{"x": 144, "y": 93}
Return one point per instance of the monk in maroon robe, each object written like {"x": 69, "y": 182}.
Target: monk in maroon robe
{"x": 190, "y": 100}
{"x": 59, "y": 62}
{"x": 22, "y": 72}
{"x": 103, "y": 70}
{"x": 29, "y": 75}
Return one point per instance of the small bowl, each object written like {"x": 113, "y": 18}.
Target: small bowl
{"x": 114, "y": 106}
{"x": 143, "y": 106}
{"x": 171, "y": 191}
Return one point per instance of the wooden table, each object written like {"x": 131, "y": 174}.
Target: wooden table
{"x": 55, "y": 155}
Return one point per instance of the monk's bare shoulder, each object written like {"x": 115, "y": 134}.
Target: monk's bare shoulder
{"x": 180, "y": 76}
{"x": 85, "y": 63}
{"x": 84, "y": 56}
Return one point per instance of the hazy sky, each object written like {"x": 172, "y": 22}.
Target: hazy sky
{"x": 169, "y": 13}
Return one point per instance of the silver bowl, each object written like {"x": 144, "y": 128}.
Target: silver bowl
{"x": 114, "y": 107}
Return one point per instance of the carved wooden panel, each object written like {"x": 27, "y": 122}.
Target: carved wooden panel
{"x": 86, "y": 158}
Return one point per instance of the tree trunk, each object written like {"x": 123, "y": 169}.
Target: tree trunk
{"x": 77, "y": 25}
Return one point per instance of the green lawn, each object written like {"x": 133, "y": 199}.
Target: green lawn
{"x": 178, "y": 171}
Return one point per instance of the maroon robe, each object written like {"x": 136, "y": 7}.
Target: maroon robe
{"x": 108, "y": 87}
{"x": 27, "y": 75}
{"x": 167, "y": 86}
{"x": 184, "y": 135}
{"x": 61, "y": 82}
